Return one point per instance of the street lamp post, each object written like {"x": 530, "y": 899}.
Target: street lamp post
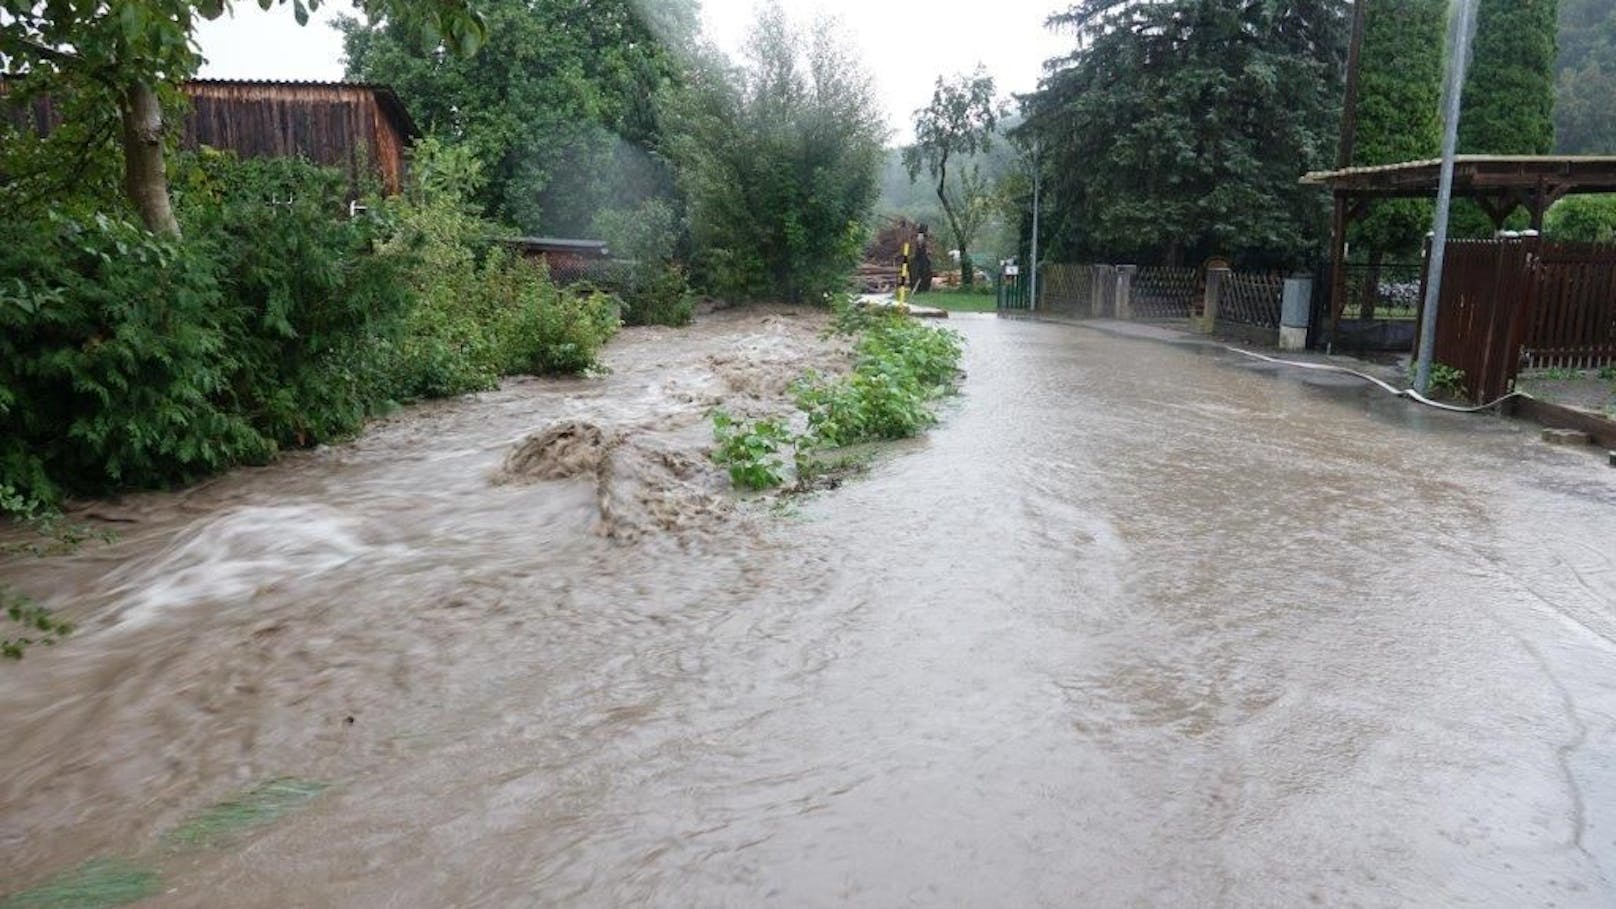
{"x": 1037, "y": 186}
{"x": 1458, "y": 57}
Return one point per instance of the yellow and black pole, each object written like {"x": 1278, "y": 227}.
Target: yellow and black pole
{"x": 903, "y": 277}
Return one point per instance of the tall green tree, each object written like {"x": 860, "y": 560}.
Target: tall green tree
{"x": 1178, "y": 128}
{"x": 563, "y": 105}
{"x": 779, "y": 158}
{"x": 1399, "y": 118}
{"x": 957, "y": 124}
{"x": 117, "y": 67}
{"x": 1509, "y": 90}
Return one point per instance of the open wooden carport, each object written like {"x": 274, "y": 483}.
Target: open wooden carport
{"x": 1499, "y": 184}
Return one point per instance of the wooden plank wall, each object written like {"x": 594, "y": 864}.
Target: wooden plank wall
{"x": 334, "y": 125}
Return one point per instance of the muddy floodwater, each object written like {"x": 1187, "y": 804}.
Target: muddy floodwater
{"x": 1137, "y": 625}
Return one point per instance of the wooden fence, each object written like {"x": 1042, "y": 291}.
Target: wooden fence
{"x": 1572, "y": 317}
{"x": 1514, "y": 302}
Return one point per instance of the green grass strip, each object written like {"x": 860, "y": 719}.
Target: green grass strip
{"x": 96, "y": 884}
{"x": 253, "y": 808}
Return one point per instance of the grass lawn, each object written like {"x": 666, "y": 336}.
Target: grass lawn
{"x": 956, "y": 302}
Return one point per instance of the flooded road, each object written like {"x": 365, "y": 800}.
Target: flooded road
{"x": 1136, "y": 625}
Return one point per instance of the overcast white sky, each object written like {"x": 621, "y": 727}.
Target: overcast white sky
{"x": 905, "y": 52}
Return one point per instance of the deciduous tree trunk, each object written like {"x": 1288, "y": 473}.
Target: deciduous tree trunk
{"x": 967, "y": 276}
{"x": 145, "y": 178}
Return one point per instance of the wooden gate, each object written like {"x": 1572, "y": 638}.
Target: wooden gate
{"x": 1480, "y": 316}
{"x": 1514, "y": 302}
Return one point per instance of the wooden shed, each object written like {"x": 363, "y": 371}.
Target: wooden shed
{"x": 569, "y": 260}
{"x": 358, "y": 127}
{"x": 349, "y": 125}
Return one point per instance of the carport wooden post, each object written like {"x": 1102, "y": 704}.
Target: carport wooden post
{"x": 1125, "y": 275}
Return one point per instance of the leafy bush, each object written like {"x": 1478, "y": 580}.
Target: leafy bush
{"x": 133, "y": 360}
{"x": 661, "y": 297}
{"x": 116, "y": 360}
{"x": 780, "y": 160}
{"x": 653, "y": 289}
{"x": 317, "y": 319}
{"x": 879, "y": 400}
{"x": 751, "y": 451}
{"x": 1445, "y": 380}
{"x": 1582, "y": 219}
{"x": 539, "y": 328}
{"x": 901, "y": 368}
{"x": 480, "y": 311}
{"x": 930, "y": 355}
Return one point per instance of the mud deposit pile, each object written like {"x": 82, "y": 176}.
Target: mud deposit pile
{"x": 652, "y": 471}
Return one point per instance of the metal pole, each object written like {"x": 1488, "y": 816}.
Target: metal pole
{"x": 1037, "y": 177}
{"x": 1459, "y": 55}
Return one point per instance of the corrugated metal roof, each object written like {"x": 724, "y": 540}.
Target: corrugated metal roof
{"x": 328, "y": 83}
{"x": 384, "y": 93}
{"x": 560, "y": 242}
{"x": 561, "y": 245}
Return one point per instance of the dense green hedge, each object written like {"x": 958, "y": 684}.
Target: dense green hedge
{"x": 130, "y": 360}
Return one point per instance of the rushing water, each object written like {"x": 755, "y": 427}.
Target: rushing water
{"x": 1137, "y": 625}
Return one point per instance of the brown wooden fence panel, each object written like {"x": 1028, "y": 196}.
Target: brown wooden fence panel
{"x": 1514, "y": 302}
{"x": 1572, "y": 322}
{"x": 1483, "y": 311}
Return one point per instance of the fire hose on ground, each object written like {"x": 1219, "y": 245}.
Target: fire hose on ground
{"x": 1409, "y": 393}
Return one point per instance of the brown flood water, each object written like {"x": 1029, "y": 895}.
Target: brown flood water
{"x": 1137, "y": 625}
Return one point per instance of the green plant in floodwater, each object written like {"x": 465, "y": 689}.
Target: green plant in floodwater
{"x": 1448, "y": 380}
{"x": 1560, "y": 374}
{"x": 36, "y": 625}
{"x": 94, "y": 885}
{"x": 751, "y": 450}
{"x": 1445, "y": 380}
{"x": 1608, "y": 373}
{"x": 253, "y": 808}
{"x": 902, "y": 367}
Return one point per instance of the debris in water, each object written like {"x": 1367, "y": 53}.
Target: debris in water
{"x": 638, "y": 486}
{"x": 565, "y": 450}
